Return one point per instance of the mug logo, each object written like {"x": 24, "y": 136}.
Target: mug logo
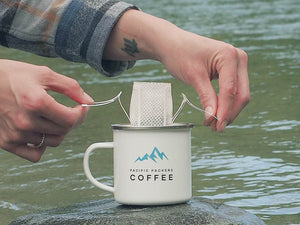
{"x": 155, "y": 154}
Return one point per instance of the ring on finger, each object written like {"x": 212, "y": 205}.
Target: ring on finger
{"x": 43, "y": 137}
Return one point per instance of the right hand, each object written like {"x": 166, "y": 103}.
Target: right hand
{"x": 27, "y": 110}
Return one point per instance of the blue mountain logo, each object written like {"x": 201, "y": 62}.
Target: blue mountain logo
{"x": 156, "y": 154}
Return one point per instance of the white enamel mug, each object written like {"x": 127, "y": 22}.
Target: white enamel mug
{"x": 152, "y": 165}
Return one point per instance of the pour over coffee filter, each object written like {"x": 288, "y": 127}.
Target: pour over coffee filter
{"x": 151, "y": 104}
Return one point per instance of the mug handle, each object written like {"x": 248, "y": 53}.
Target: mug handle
{"x": 86, "y": 166}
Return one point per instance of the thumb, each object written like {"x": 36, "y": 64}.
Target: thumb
{"x": 69, "y": 87}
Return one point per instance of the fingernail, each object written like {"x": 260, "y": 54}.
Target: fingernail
{"x": 208, "y": 112}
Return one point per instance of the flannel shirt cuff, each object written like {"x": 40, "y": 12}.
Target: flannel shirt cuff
{"x": 84, "y": 30}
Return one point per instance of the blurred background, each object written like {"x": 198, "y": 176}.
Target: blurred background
{"x": 254, "y": 164}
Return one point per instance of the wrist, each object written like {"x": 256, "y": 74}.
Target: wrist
{"x": 164, "y": 40}
{"x": 157, "y": 38}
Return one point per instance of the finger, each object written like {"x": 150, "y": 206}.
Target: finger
{"x": 208, "y": 98}
{"x": 213, "y": 125}
{"x": 82, "y": 117}
{"x": 27, "y": 152}
{"x": 58, "y": 113}
{"x": 227, "y": 89}
{"x": 41, "y": 124}
{"x": 35, "y": 139}
{"x": 62, "y": 115}
{"x": 44, "y": 125}
{"x": 69, "y": 87}
{"x": 243, "y": 91}
{"x": 41, "y": 119}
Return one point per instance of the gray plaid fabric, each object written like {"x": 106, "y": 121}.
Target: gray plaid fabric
{"x": 76, "y": 30}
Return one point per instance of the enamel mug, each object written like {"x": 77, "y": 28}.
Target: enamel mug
{"x": 152, "y": 165}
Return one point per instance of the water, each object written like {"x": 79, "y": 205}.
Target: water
{"x": 254, "y": 164}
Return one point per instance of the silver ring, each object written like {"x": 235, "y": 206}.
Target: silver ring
{"x": 43, "y": 135}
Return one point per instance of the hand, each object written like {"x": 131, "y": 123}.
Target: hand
{"x": 27, "y": 110}
{"x": 197, "y": 60}
{"x": 193, "y": 59}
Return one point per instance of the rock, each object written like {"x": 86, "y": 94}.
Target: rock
{"x": 197, "y": 211}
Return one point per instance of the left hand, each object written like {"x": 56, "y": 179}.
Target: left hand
{"x": 194, "y": 59}
{"x": 197, "y": 61}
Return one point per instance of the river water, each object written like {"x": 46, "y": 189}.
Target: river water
{"x": 254, "y": 164}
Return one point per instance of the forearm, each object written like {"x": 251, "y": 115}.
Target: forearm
{"x": 76, "y": 30}
{"x": 138, "y": 35}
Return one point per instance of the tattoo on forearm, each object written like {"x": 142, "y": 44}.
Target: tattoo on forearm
{"x": 130, "y": 47}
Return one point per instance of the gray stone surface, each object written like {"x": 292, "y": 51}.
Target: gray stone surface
{"x": 197, "y": 211}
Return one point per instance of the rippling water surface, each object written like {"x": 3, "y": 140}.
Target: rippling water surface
{"x": 254, "y": 164}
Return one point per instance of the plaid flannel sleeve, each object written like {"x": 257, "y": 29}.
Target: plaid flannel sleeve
{"x": 76, "y": 30}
